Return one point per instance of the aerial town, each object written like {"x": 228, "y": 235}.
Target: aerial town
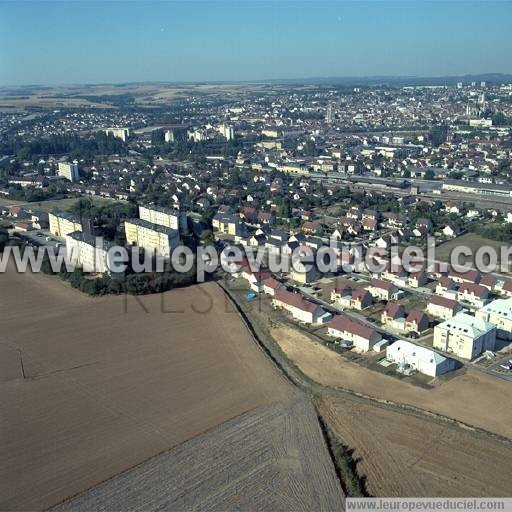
{"x": 364, "y": 170}
{"x": 292, "y": 168}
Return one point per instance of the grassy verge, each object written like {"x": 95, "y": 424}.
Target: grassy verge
{"x": 345, "y": 465}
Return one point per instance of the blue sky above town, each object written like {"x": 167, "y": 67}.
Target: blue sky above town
{"x": 97, "y": 42}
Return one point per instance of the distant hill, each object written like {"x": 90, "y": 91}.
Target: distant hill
{"x": 490, "y": 78}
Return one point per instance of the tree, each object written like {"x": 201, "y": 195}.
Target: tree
{"x": 285, "y": 209}
{"x": 4, "y": 237}
{"x": 157, "y": 137}
{"x": 499, "y": 119}
{"x": 207, "y": 237}
{"x": 438, "y": 134}
{"x": 207, "y": 216}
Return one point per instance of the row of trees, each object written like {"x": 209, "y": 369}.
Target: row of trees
{"x": 77, "y": 147}
{"x": 131, "y": 283}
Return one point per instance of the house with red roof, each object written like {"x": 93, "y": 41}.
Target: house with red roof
{"x": 346, "y": 297}
{"x": 254, "y": 277}
{"x": 442, "y": 307}
{"x": 383, "y": 290}
{"x": 417, "y": 277}
{"x": 417, "y": 321}
{"x": 489, "y": 281}
{"x": 476, "y": 294}
{"x": 392, "y": 312}
{"x": 444, "y": 285}
{"x": 471, "y": 276}
{"x": 507, "y": 288}
{"x": 362, "y": 336}
{"x": 271, "y": 285}
{"x": 299, "y": 307}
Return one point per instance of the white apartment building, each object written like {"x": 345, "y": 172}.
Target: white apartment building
{"x": 68, "y": 170}
{"x": 62, "y": 224}
{"x": 88, "y": 252}
{"x": 168, "y": 217}
{"x": 465, "y": 336}
{"x": 499, "y": 313}
{"x": 227, "y": 131}
{"x": 120, "y": 133}
{"x": 151, "y": 237}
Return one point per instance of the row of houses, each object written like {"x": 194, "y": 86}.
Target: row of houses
{"x": 306, "y": 311}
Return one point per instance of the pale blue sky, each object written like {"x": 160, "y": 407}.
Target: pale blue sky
{"x": 91, "y": 42}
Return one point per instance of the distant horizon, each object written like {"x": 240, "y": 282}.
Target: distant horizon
{"x": 56, "y": 42}
{"x": 302, "y": 79}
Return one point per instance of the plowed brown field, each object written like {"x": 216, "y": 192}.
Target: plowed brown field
{"x": 111, "y": 382}
{"x": 403, "y": 454}
{"x": 272, "y": 458}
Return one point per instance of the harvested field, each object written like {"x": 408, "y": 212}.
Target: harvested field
{"x": 272, "y": 458}
{"x": 471, "y": 240}
{"x": 61, "y": 204}
{"x": 111, "y": 382}
{"x": 473, "y": 397}
{"x": 403, "y": 454}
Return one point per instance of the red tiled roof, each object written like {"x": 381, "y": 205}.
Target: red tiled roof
{"x": 295, "y": 300}
{"x": 488, "y": 281}
{"x": 394, "y": 310}
{"x": 359, "y": 293}
{"x": 471, "y": 276}
{"x": 384, "y": 285}
{"x": 446, "y": 282}
{"x": 415, "y": 315}
{"x": 273, "y": 283}
{"x": 472, "y": 288}
{"x": 343, "y": 323}
{"x": 444, "y": 302}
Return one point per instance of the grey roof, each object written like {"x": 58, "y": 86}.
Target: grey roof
{"x": 149, "y": 225}
{"x": 162, "y": 209}
{"x": 90, "y": 239}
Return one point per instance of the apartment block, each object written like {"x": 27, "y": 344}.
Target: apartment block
{"x": 120, "y": 133}
{"x": 168, "y": 217}
{"x": 498, "y": 313}
{"x": 62, "y": 224}
{"x": 151, "y": 237}
{"x": 68, "y": 171}
{"x": 465, "y": 336}
{"x": 89, "y": 252}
